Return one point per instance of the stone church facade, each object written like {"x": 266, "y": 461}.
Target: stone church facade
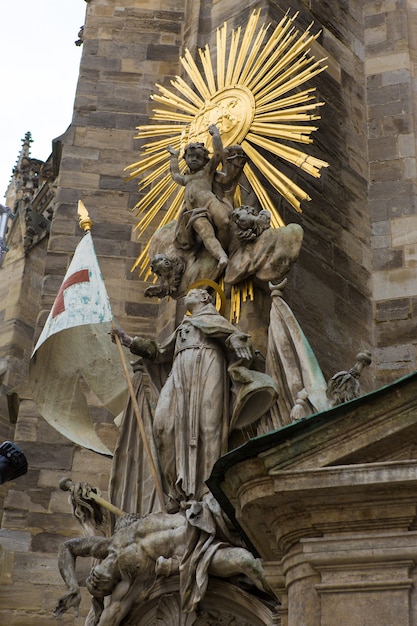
{"x": 353, "y": 288}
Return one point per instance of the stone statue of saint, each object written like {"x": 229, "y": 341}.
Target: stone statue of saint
{"x": 210, "y": 390}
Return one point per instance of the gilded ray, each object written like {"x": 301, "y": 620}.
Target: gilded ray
{"x": 300, "y": 159}
{"x": 180, "y": 84}
{"x": 171, "y": 116}
{"x": 271, "y": 54}
{"x": 150, "y": 215}
{"x": 263, "y": 197}
{"x": 286, "y": 187}
{"x": 157, "y": 131}
{"x": 144, "y": 166}
{"x": 246, "y": 43}
{"x": 156, "y": 196}
{"x": 285, "y": 131}
{"x": 193, "y": 72}
{"x": 208, "y": 68}
{"x": 161, "y": 144}
{"x": 152, "y": 196}
{"x": 154, "y": 175}
{"x": 171, "y": 99}
{"x": 269, "y": 66}
{"x": 280, "y": 59}
{"x": 290, "y": 114}
{"x": 143, "y": 261}
{"x": 264, "y": 60}
{"x": 283, "y": 103}
{"x": 292, "y": 83}
{"x": 234, "y": 44}
{"x": 273, "y": 77}
{"x": 221, "y": 39}
{"x": 253, "y": 55}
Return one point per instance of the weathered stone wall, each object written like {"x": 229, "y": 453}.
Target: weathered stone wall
{"x": 390, "y": 68}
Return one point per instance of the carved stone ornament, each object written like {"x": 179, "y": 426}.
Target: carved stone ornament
{"x": 224, "y": 605}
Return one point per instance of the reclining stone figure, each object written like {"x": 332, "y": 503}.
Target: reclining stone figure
{"x": 140, "y": 550}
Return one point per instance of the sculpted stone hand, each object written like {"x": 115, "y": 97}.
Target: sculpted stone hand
{"x": 69, "y": 600}
{"x": 214, "y": 131}
{"x": 125, "y": 339}
{"x": 241, "y": 346}
{"x": 172, "y": 151}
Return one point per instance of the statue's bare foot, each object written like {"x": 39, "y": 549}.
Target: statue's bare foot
{"x": 222, "y": 264}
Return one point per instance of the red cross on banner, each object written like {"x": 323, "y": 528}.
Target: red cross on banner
{"x": 82, "y": 297}
{"x": 82, "y": 276}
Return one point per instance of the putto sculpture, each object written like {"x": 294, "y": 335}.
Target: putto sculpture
{"x": 203, "y": 211}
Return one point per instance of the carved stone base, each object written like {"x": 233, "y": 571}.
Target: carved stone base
{"x": 224, "y": 605}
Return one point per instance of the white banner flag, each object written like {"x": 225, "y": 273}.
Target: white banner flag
{"x": 75, "y": 355}
{"x": 82, "y": 298}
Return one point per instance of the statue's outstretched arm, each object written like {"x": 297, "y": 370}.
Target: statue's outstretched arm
{"x": 174, "y": 167}
{"x": 217, "y": 146}
{"x": 144, "y": 347}
{"x": 69, "y": 551}
{"x": 137, "y": 345}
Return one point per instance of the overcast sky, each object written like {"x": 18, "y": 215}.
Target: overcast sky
{"x": 38, "y": 75}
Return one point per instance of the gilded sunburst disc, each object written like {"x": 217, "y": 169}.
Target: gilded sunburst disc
{"x": 231, "y": 109}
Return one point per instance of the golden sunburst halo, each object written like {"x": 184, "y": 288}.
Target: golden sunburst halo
{"x": 252, "y": 94}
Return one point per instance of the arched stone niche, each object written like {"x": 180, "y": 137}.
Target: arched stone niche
{"x": 224, "y": 604}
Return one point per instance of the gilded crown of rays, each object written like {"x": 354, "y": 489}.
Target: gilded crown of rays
{"x": 252, "y": 93}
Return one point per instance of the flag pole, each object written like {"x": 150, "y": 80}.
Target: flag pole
{"x": 85, "y": 223}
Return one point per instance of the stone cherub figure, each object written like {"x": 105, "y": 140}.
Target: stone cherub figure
{"x": 250, "y": 222}
{"x": 178, "y": 252}
{"x": 145, "y": 548}
{"x": 203, "y": 211}
{"x": 227, "y": 179}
